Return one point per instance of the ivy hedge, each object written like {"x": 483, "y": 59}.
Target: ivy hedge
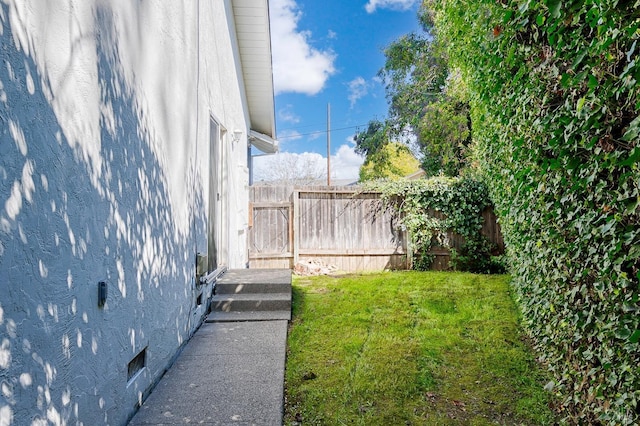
{"x": 430, "y": 209}
{"x": 555, "y": 112}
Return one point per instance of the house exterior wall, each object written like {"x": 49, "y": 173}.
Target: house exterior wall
{"x": 105, "y": 109}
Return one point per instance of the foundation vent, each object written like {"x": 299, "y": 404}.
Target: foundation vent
{"x": 136, "y": 365}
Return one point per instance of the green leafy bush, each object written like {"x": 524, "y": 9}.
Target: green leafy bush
{"x": 478, "y": 255}
{"x": 431, "y": 209}
{"x": 555, "y": 99}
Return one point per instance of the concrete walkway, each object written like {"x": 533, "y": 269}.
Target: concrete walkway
{"x": 230, "y": 373}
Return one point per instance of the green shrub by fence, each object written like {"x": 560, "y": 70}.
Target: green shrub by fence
{"x": 437, "y": 210}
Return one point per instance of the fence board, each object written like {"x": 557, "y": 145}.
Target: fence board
{"x": 345, "y": 222}
{"x": 339, "y": 226}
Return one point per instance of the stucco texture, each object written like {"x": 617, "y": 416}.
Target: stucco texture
{"x": 104, "y": 162}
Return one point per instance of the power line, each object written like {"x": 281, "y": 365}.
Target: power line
{"x": 319, "y": 132}
{"x": 304, "y": 127}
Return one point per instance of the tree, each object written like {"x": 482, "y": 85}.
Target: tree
{"x": 445, "y": 130}
{"x": 373, "y": 139}
{"x": 415, "y": 74}
{"x": 427, "y": 99}
{"x": 291, "y": 169}
{"x": 393, "y": 161}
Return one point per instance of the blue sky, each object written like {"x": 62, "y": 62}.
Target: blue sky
{"x": 330, "y": 52}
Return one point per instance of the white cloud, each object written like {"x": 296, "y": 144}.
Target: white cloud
{"x": 289, "y": 135}
{"x": 287, "y": 115}
{"x": 358, "y": 88}
{"x": 389, "y": 4}
{"x": 316, "y": 134}
{"x": 346, "y": 163}
{"x": 297, "y": 66}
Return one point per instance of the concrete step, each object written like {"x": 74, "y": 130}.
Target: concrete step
{"x": 251, "y": 302}
{"x": 237, "y": 281}
{"x": 232, "y": 287}
{"x": 217, "y": 316}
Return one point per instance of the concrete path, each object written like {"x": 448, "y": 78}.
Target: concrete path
{"x": 230, "y": 373}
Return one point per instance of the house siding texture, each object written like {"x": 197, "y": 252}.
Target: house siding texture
{"x": 105, "y": 111}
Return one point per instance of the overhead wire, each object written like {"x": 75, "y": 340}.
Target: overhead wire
{"x": 317, "y": 132}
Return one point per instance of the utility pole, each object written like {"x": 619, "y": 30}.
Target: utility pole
{"x": 328, "y": 144}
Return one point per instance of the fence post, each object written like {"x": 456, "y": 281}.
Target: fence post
{"x": 294, "y": 219}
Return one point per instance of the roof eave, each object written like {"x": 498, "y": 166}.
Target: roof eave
{"x": 263, "y": 142}
{"x": 254, "y": 43}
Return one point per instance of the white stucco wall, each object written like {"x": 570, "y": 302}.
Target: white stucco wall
{"x": 104, "y": 162}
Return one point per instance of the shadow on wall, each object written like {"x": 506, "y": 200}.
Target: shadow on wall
{"x": 65, "y": 226}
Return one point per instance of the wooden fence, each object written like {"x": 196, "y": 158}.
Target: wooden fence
{"x": 338, "y": 226}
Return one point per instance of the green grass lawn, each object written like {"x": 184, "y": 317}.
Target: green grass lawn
{"x": 410, "y": 348}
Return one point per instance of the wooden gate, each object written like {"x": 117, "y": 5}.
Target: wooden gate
{"x": 270, "y": 227}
